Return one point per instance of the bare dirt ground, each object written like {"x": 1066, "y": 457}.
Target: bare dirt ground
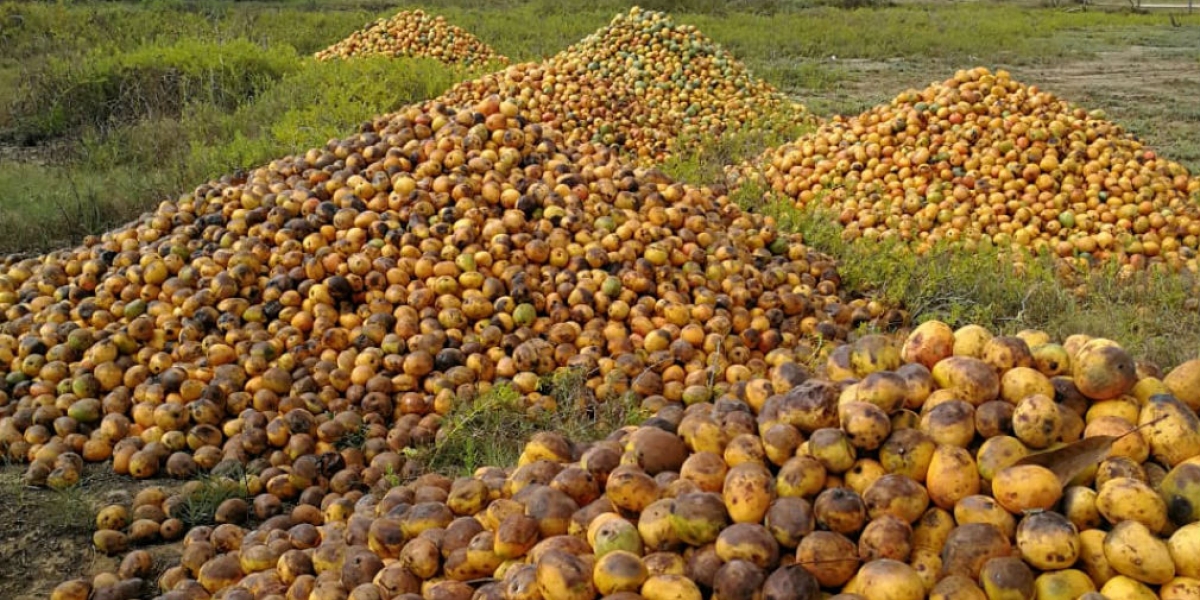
{"x": 47, "y": 536}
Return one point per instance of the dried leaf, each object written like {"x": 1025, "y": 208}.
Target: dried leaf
{"x": 1074, "y": 458}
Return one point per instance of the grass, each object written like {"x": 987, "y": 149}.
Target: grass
{"x": 153, "y": 81}
{"x": 491, "y": 429}
{"x": 1152, "y": 314}
{"x": 68, "y": 510}
{"x": 702, "y": 161}
{"x": 48, "y": 535}
{"x": 111, "y": 173}
{"x": 353, "y": 439}
{"x": 200, "y": 504}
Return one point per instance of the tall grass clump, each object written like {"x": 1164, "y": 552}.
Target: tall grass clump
{"x": 1154, "y": 314}
{"x": 492, "y": 428}
{"x": 105, "y": 90}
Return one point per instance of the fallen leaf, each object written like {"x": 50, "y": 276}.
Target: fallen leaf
{"x": 1074, "y": 458}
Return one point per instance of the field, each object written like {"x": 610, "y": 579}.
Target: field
{"x": 108, "y": 109}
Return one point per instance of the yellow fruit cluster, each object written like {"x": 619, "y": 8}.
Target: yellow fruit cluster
{"x": 312, "y": 321}
{"x": 981, "y": 159}
{"x": 417, "y": 34}
{"x": 947, "y": 464}
{"x": 293, "y": 331}
{"x": 642, "y": 83}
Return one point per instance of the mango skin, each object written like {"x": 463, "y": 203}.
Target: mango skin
{"x": 1181, "y": 491}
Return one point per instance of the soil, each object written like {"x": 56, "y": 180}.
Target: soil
{"x": 47, "y": 535}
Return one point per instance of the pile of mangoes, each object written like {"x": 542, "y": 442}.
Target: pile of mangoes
{"x": 642, "y": 83}
{"x": 417, "y": 34}
{"x": 983, "y": 160}
{"x": 312, "y": 321}
{"x": 950, "y": 465}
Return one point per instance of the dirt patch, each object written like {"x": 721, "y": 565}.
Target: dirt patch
{"x": 1150, "y": 91}
{"x": 856, "y": 84}
{"x": 1162, "y": 76}
{"x": 47, "y": 535}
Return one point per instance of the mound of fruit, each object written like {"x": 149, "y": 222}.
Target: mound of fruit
{"x": 416, "y": 34}
{"x": 982, "y": 159}
{"x": 954, "y": 465}
{"x": 366, "y": 287}
{"x": 641, "y": 83}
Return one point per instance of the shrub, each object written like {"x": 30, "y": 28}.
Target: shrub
{"x": 104, "y": 89}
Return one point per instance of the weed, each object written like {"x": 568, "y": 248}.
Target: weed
{"x": 71, "y": 508}
{"x": 703, "y": 160}
{"x": 492, "y": 428}
{"x": 201, "y": 500}
{"x": 353, "y": 439}
{"x": 484, "y": 431}
{"x": 391, "y": 478}
{"x": 1153, "y": 314}
{"x": 578, "y": 414}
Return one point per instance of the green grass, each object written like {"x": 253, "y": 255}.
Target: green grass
{"x": 47, "y": 206}
{"x": 1152, "y": 314}
{"x": 199, "y": 506}
{"x": 702, "y": 161}
{"x": 791, "y": 43}
{"x": 491, "y": 429}
{"x": 68, "y": 510}
{"x": 153, "y": 81}
{"x": 108, "y": 175}
{"x": 319, "y": 102}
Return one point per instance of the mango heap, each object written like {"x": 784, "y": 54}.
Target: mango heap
{"x": 417, "y": 34}
{"x": 982, "y": 160}
{"x": 903, "y": 472}
{"x": 376, "y": 282}
{"x": 641, "y": 83}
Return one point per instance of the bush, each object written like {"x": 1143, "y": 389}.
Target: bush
{"x": 116, "y": 173}
{"x": 105, "y": 89}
